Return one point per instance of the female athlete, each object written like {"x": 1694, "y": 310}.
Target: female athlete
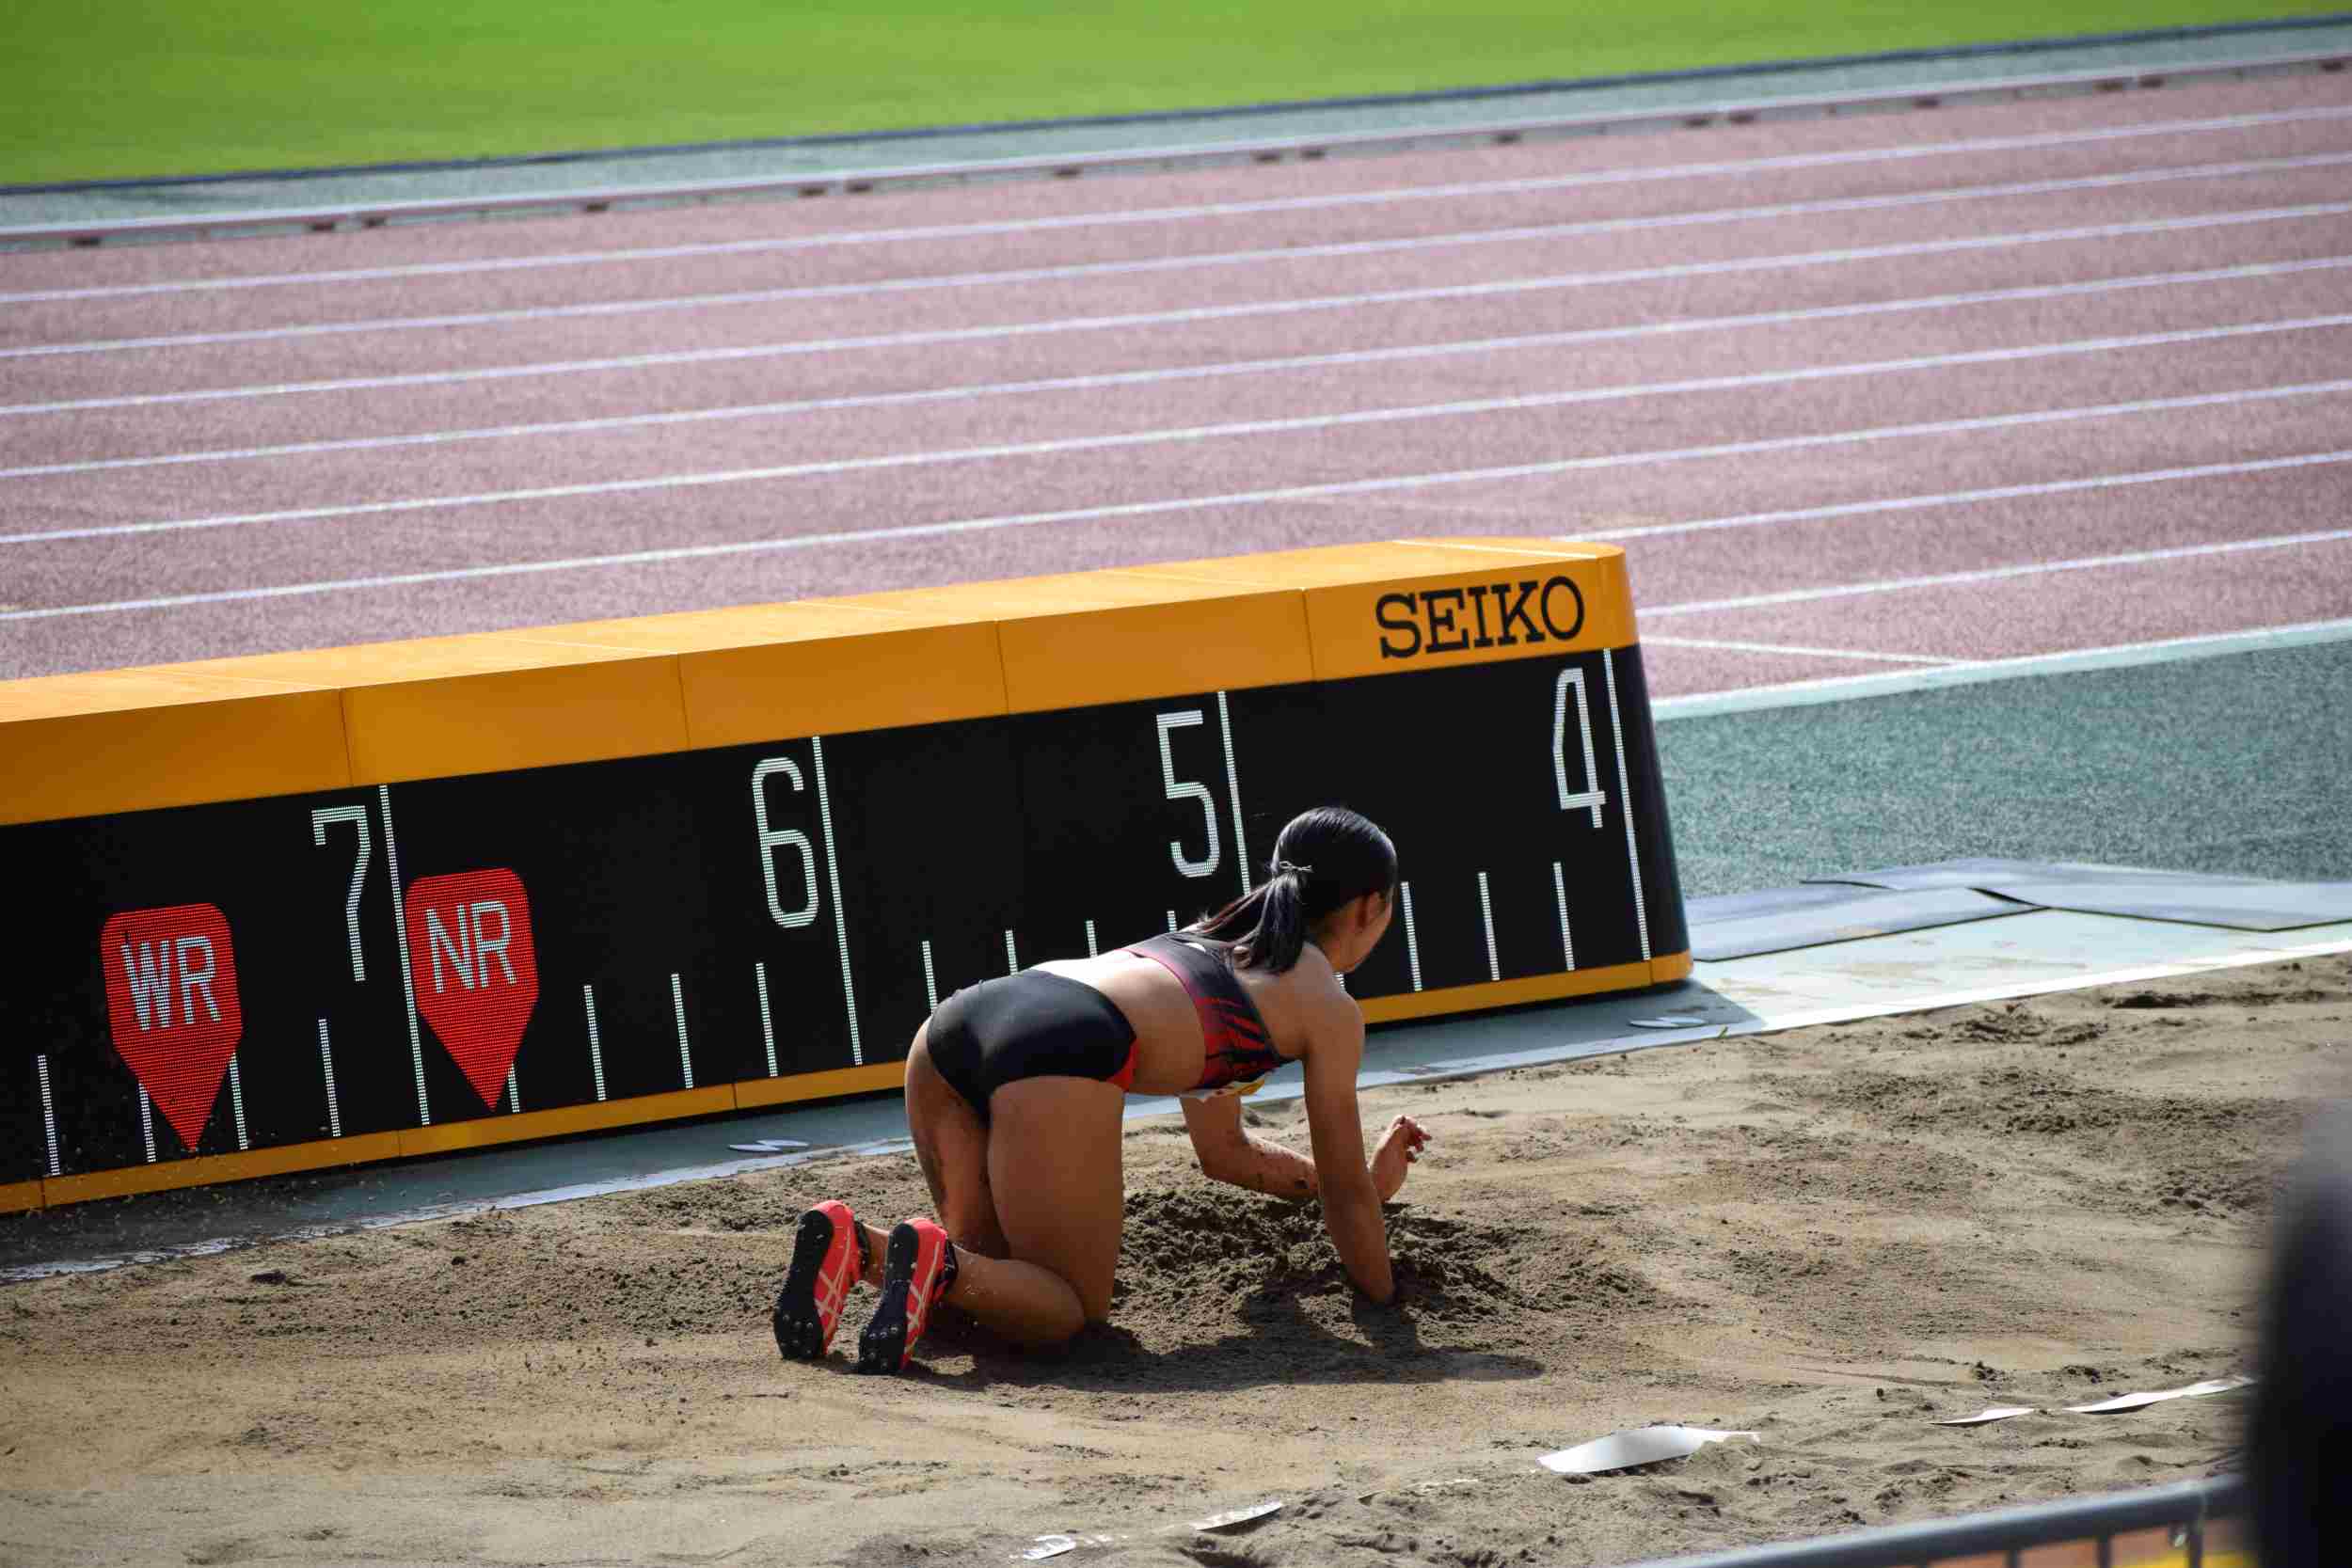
{"x": 1013, "y": 1096}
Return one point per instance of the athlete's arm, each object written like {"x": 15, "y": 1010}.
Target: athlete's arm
{"x": 1230, "y": 1152}
{"x": 1351, "y": 1202}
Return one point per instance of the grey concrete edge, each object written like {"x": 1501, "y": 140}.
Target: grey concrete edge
{"x": 1929, "y": 92}
{"x": 2086, "y": 44}
{"x": 1840, "y": 689}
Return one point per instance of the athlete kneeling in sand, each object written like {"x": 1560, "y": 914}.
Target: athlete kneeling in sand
{"x": 1015, "y": 1090}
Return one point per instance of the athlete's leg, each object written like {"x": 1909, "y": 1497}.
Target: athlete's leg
{"x": 951, "y": 1144}
{"x": 1054, "y": 1160}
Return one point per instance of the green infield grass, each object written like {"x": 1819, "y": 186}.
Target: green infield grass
{"x": 136, "y": 88}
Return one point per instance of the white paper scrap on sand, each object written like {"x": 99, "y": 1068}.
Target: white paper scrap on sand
{"x": 767, "y": 1146}
{"x": 2141, "y": 1402}
{"x": 1996, "y": 1413}
{"x": 1232, "y": 1516}
{"x": 1643, "y": 1446}
{"x": 1053, "y": 1545}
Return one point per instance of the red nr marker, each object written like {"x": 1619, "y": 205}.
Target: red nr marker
{"x": 475, "y": 969}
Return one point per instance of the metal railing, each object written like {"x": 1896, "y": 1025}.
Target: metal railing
{"x": 2184, "y": 1509}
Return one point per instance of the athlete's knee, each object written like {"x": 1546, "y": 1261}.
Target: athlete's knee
{"x": 1066, "y": 1324}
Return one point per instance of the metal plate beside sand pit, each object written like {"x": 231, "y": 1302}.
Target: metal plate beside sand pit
{"x": 2239, "y": 903}
{"x": 1983, "y": 871}
{"x": 1744, "y": 925}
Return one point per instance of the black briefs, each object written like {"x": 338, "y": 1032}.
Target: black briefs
{"x": 1033, "y": 1024}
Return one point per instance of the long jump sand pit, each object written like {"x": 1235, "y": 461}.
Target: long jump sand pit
{"x": 1831, "y": 1237}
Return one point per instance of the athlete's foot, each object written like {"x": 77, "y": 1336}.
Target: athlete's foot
{"x": 877, "y": 1247}
{"x": 918, "y": 1268}
{"x": 828, "y": 1257}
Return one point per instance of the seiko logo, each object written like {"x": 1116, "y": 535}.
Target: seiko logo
{"x": 1498, "y": 615}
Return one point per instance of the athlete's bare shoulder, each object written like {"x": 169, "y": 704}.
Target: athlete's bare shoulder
{"x": 1322, "y": 997}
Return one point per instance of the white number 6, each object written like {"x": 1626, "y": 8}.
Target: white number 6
{"x": 773, "y": 839}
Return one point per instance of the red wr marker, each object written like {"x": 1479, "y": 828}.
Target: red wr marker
{"x": 172, "y": 1002}
{"x": 475, "y": 969}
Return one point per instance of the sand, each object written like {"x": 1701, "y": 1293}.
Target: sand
{"x": 1830, "y": 1236}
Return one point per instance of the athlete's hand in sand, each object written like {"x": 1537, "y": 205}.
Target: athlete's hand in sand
{"x": 1400, "y": 1145}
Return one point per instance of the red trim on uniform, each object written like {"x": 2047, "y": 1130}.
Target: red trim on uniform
{"x": 1234, "y": 1044}
{"x": 1125, "y": 1076}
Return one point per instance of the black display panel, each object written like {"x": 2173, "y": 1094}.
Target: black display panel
{"x": 1519, "y": 823}
{"x": 240, "y": 976}
{"x": 1140, "y": 814}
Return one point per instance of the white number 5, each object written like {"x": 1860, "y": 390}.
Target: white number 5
{"x": 1187, "y": 791}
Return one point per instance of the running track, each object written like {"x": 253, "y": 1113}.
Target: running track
{"x": 1858, "y": 395}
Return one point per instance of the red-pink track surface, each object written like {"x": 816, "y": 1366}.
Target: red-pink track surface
{"x": 2090, "y": 356}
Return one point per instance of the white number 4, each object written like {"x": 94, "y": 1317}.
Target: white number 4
{"x": 1583, "y": 799}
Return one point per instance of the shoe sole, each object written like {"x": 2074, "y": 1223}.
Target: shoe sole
{"x": 883, "y": 1346}
{"x": 799, "y": 1328}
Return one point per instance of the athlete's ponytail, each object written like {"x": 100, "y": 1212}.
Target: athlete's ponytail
{"x": 1324, "y": 858}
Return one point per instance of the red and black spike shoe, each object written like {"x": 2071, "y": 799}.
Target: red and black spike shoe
{"x": 828, "y": 1257}
{"x": 918, "y": 1268}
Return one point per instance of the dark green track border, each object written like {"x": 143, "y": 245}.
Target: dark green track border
{"x": 1185, "y": 117}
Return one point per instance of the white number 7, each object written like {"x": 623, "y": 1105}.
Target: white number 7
{"x": 358, "y": 817}
{"x": 1583, "y": 799}
{"x": 1187, "y": 791}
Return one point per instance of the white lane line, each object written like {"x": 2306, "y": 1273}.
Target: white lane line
{"x": 1728, "y": 646}
{"x": 840, "y": 914}
{"x": 595, "y": 1045}
{"x": 407, "y": 969}
{"x": 1170, "y": 374}
{"x": 1248, "y": 498}
{"x": 48, "y": 1111}
{"x": 1272, "y": 255}
{"x": 1206, "y": 210}
{"x": 1560, "y": 891}
{"x": 1993, "y": 574}
{"x": 1625, "y": 799}
{"x": 1412, "y": 942}
{"x": 1970, "y": 498}
{"x": 1486, "y": 915}
{"x": 1496, "y": 289}
{"x": 767, "y": 1016}
{"x": 2119, "y": 655}
{"x": 677, "y": 1011}
{"x": 327, "y": 1063}
{"x": 1461, "y": 409}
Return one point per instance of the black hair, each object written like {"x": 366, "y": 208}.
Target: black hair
{"x": 1323, "y": 859}
{"x": 2298, "y": 1436}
